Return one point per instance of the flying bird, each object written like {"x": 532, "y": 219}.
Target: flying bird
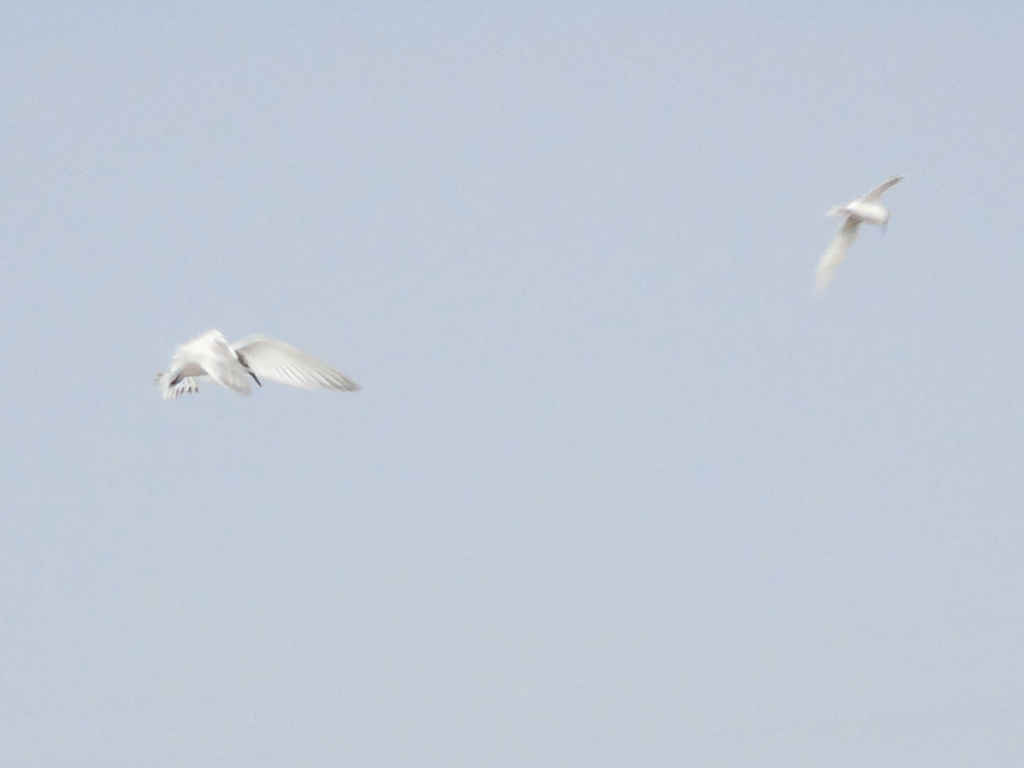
{"x": 866, "y": 209}
{"x": 253, "y": 359}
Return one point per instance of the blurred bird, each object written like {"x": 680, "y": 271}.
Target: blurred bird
{"x": 865, "y": 209}
{"x": 255, "y": 357}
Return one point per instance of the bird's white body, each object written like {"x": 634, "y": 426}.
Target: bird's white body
{"x": 864, "y": 210}
{"x": 252, "y": 359}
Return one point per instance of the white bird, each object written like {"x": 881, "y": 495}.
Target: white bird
{"x": 255, "y": 357}
{"x": 865, "y": 209}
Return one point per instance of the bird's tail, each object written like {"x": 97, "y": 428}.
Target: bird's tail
{"x": 839, "y": 210}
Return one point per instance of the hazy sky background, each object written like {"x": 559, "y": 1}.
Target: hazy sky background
{"x": 619, "y": 490}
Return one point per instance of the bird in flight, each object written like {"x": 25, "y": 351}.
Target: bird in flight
{"x": 866, "y": 209}
{"x": 253, "y": 359}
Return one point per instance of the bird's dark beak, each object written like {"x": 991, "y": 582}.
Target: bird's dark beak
{"x": 245, "y": 364}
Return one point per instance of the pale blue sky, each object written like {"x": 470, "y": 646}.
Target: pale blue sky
{"x": 618, "y": 490}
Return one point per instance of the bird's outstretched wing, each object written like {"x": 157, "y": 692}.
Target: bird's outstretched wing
{"x": 169, "y": 390}
{"x": 835, "y": 253}
{"x": 875, "y": 193}
{"x": 274, "y": 360}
